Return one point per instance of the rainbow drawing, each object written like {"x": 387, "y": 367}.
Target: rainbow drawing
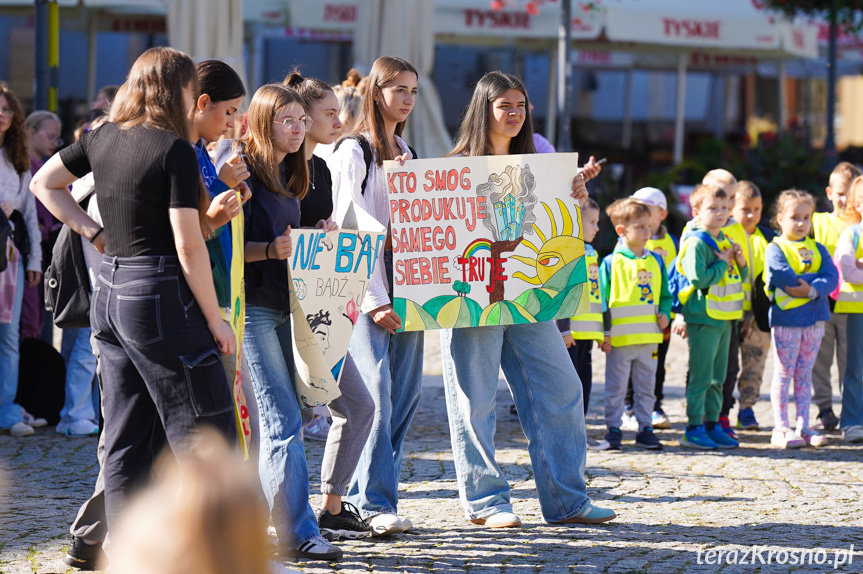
{"x": 475, "y": 246}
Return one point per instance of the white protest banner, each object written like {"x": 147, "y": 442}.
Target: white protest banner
{"x": 329, "y": 273}
{"x": 491, "y": 240}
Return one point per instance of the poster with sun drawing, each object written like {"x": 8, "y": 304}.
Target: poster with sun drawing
{"x": 492, "y": 240}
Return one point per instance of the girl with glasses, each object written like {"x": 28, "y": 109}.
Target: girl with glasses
{"x": 279, "y": 180}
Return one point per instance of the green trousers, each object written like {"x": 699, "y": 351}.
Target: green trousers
{"x": 708, "y": 362}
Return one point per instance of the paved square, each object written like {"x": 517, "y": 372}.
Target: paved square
{"x": 671, "y": 505}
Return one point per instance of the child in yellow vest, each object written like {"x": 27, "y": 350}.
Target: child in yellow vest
{"x": 580, "y": 332}
{"x": 826, "y": 229}
{"x": 663, "y": 244}
{"x": 735, "y": 233}
{"x": 754, "y": 342}
{"x": 634, "y": 284}
{"x": 849, "y": 259}
{"x": 799, "y": 276}
{"x": 715, "y": 267}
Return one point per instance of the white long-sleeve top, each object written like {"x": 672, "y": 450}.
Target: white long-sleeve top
{"x": 348, "y": 169}
{"x": 845, "y": 258}
{"x": 15, "y": 189}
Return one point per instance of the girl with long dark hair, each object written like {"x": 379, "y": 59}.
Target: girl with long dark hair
{"x": 19, "y": 206}
{"x": 532, "y": 355}
{"x": 279, "y": 181}
{"x": 154, "y": 311}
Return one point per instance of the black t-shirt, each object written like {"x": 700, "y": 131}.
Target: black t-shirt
{"x": 318, "y": 202}
{"x": 268, "y": 215}
{"x": 140, "y": 173}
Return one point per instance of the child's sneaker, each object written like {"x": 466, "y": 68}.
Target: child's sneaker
{"x": 829, "y": 421}
{"x": 629, "y": 422}
{"x": 721, "y": 437}
{"x": 698, "y": 438}
{"x": 593, "y": 444}
{"x": 659, "y": 420}
{"x": 614, "y": 438}
{"x": 812, "y": 438}
{"x": 726, "y": 426}
{"x": 746, "y": 419}
{"x": 646, "y": 439}
{"x": 786, "y": 438}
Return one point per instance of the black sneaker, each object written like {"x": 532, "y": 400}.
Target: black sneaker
{"x": 315, "y": 549}
{"x": 84, "y": 556}
{"x": 828, "y": 420}
{"x": 346, "y": 524}
{"x": 614, "y": 437}
{"x": 646, "y": 439}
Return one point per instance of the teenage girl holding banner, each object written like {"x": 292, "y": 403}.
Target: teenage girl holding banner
{"x": 532, "y": 356}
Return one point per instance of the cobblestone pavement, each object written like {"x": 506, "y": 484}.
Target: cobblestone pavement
{"x": 671, "y": 505}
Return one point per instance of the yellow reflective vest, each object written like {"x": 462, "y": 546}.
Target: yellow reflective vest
{"x": 759, "y": 250}
{"x": 850, "y": 299}
{"x": 633, "y": 300}
{"x": 588, "y": 326}
{"x": 803, "y": 257}
{"x": 664, "y": 248}
{"x": 737, "y": 234}
{"x": 724, "y": 299}
{"x": 827, "y": 228}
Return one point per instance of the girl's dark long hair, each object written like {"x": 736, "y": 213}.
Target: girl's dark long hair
{"x": 219, "y": 81}
{"x": 15, "y": 140}
{"x": 473, "y": 134}
{"x": 266, "y": 104}
{"x": 384, "y": 72}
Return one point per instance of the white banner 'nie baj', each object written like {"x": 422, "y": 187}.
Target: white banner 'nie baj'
{"x": 490, "y": 240}
{"x": 329, "y": 274}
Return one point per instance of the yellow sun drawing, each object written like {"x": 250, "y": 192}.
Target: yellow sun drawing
{"x": 556, "y": 252}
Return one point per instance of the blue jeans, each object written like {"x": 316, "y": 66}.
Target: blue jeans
{"x": 282, "y": 467}
{"x": 10, "y": 413}
{"x": 81, "y": 397}
{"x": 548, "y": 396}
{"x": 852, "y": 386}
{"x": 392, "y": 369}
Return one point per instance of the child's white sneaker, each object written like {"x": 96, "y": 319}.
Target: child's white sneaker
{"x": 786, "y": 438}
{"x": 810, "y": 436}
{"x": 21, "y": 429}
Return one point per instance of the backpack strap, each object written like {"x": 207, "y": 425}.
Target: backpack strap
{"x": 413, "y": 152}
{"x": 367, "y": 155}
{"x": 706, "y": 238}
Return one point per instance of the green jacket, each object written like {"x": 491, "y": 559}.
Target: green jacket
{"x": 703, "y": 268}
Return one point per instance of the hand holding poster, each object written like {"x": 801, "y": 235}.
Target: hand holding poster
{"x": 329, "y": 274}
{"x": 491, "y": 240}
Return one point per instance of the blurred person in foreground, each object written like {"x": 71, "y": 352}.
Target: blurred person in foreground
{"x": 202, "y": 514}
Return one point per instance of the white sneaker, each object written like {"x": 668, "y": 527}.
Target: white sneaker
{"x": 809, "y": 436}
{"x": 502, "y": 519}
{"x": 315, "y": 549}
{"x": 593, "y": 444}
{"x": 406, "y": 524}
{"x": 318, "y": 429}
{"x": 33, "y": 421}
{"x": 20, "y": 429}
{"x": 78, "y": 429}
{"x": 385, "y": 524}
{"x": 629, "y": 423}
{"x": 659, "y": 420}
{"x": 786, "y": 438}
{"x": 853, "y": 434}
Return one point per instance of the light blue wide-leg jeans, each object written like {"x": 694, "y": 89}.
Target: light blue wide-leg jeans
{"x": 548, "y": 396}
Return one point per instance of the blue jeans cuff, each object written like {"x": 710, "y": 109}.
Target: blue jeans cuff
{"x": 368, "y": 514}
{"x": 569, "y": 514}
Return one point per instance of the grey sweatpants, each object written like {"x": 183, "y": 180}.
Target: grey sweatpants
{"x": 639, "y": 361}
{"x": 352, "y": 421}
{"x": 834, "y": 340}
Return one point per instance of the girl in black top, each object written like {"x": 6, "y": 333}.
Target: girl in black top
{"x": 153, "y": 311}
{"x": 354, "y": 410}
{"x": 279, "y": 180}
